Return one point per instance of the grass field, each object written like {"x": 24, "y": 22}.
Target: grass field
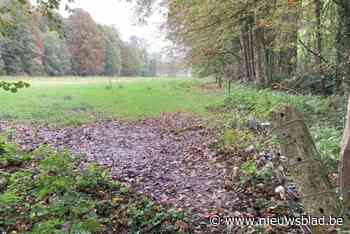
{"x": 70, "y": 100}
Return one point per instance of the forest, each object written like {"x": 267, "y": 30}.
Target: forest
{"x": 238, "y": 122}
{"x": 42, "y": 45}
{"x": 289, "y": 45}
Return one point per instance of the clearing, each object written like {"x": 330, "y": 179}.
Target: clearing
{"x": 150, "y": 133}
{"x": 159, "y": 138}
{"x": 67, "y": 101}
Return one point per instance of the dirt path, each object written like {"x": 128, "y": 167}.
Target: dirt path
{"x": 167, "y": 158}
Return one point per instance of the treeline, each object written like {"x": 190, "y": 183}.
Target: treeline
{"x": 300, "y": 45}
{"x": 35, "y": 45}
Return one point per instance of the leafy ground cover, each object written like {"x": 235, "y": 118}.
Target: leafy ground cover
{"x": 46, "y": 192}
{"x": 74, "y": 100}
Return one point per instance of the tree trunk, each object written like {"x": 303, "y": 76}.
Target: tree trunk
{"x": 305, "y": 165}
{"x": 318, "y": 7}
{"x": 246, "y": 55}
{"x": 220, "y": 82}
{"x": 252, "y": 54}
{"x": 343, "y": 43}
{"x": 289, "y": 53}
{"x": 260, "y": 58}
{"x": 344, "y": 167}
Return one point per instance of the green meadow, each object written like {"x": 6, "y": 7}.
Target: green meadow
{"x": 70, "y": 100}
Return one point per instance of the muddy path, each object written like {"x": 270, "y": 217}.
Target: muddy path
{"x": 167, "y": 158}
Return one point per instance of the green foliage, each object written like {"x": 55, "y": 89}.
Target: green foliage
{"x": 285, "y": 39}
{"x": 19, "y": 182}
{"x": 136, "y": 61}
{"x": 266, "y": 172}
{"x": 240, "y": 139}
{"x": 48, "y": 227}
{"x": 131, "y": 63}
{"x": 37, "y": 41}
{"x": 311, "y": 83}
{"x": 145, "y": 214}
{"x": 48, "y": 8}
{"x": 113, "y": 63}
{"x": 251, "y": 173}
{"x": 20, "y": 45}
{"x": 249, "y": 168}
{"x": 57, "y": 57}
{"x": 229, "y": 137}
{"x": 260, "y": 103}
{"x": 92, "y": 177}
{"x": 324, "y": 116}
{"x": 10, "y": 157}
{"x": 13, "y": 86}
{"x": 9, "y": 199}
{"x": 328, "y": 144}
{"x": 50, "y": 193}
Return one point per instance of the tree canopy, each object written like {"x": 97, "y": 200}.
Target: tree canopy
{"x": 281, "y": 43}
{"x": 86, "y": 44}
{"x": 294, "y": 43}
{"x": 37, "y": 40}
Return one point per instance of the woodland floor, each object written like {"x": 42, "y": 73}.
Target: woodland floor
{"x": 174, "y": 158}
{"x": 167, "y": 158}
{"x": 170, "y": 159}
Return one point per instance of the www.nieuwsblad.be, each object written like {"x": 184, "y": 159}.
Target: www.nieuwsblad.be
{"x": 276, "y": 221}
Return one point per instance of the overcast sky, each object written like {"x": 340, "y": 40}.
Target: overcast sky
{"x": 120, "y": 14}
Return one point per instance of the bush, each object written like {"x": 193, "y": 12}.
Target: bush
{"x": 328, "y": 144}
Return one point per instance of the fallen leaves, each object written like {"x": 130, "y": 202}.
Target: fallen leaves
{"x": 170, "y": 159}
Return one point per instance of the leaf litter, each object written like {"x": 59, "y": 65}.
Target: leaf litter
{"x": 171, "y": 159}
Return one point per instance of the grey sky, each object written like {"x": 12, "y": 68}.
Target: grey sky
{"x": 120, "y": 14}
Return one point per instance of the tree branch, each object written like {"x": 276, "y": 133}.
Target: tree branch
{"x": 312, "y": 52}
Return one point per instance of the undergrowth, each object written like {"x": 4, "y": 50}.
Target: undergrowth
{"x": 47, "y": 192}
{"x": 260, "y": 103}
{"x": 324, "y": 116}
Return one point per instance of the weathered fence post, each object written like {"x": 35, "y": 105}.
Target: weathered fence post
{"x": 344, "y": 166}
{"x": 305, "y": 166}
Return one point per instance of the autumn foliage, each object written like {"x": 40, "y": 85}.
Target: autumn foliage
{"x": 86, "y": 44}
{"x": 33, "y": 42}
